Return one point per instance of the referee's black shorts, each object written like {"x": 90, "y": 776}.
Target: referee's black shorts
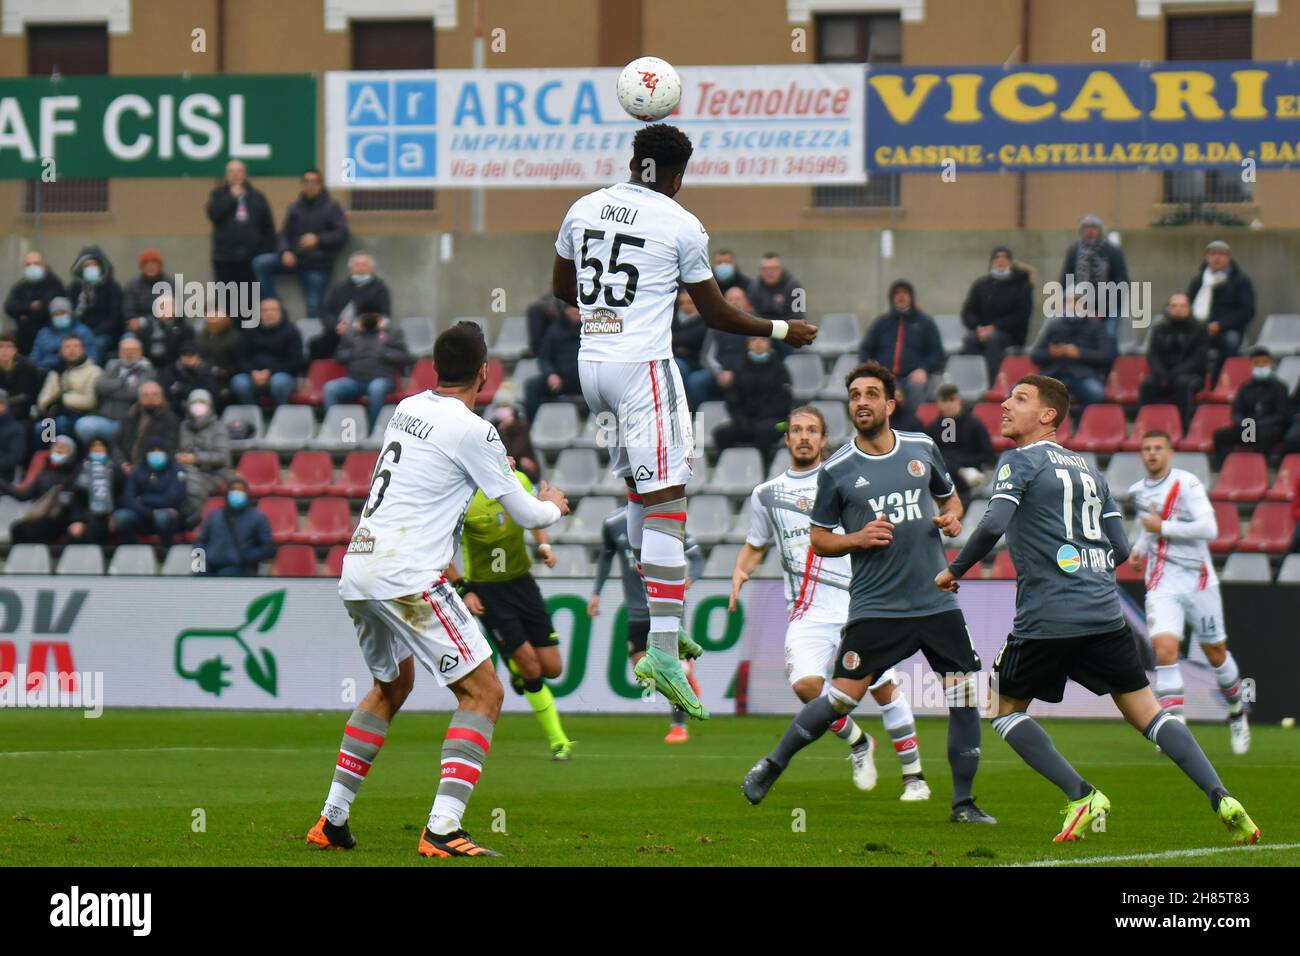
{"x": 1036, "y": 668}
{"x": 515, "y": 614}
{"x": 872, "y": 645}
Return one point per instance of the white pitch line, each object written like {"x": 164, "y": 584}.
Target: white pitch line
{"x": 154, "y": 750}
{"x": 1166, "y": 855}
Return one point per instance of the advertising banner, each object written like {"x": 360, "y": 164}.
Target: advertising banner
{"x": 750, "y": 125}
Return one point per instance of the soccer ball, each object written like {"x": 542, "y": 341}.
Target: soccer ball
{"x": 649, "y": 88}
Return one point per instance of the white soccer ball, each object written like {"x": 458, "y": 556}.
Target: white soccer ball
{"x": 649, "y": 88}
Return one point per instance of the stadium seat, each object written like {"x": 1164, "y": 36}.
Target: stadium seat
{"x": 283, "y": 515}
{"x": 805, "y": 375}
{"x": 973, "y": 516}
{"x": 1128, "y": 571}
{"x": 571, "y": 561}
{"x": 577, "y": 472}
{"x": 721, "y": 561}
{"x": 11, "y": 510}
{"x": 611, "y": 484}
{"x": 1126, "y": 340}
{"x": 292, "y": 427}
{"x": 34, "y": 468}
{"x": 1161, "y": 418}
{"x": 837, "y": 421}
{"x": 1125, "y": 377}
{"x": 1101, "y": 429}
{"x": 1288, "y": 370}
{"x": 1012, "y": 370}
{"x": 211, "y": 505}
{"x": 179, "y": 561}
{"x": 1234, "y": 374}
{"x": 770, "y": 567}
{"x": 834, "y": 388}
{"x": 1229, "y": 522}
{"x": 261, "y": 469}
{"x": 344, "y": 429}
{"x": 308, "y": 329}
{"x": 419, "y": 332}
{"x": 737, "y": 472}
{"x": 28, "y": 559}
{"x": 1246, "y": 569}
{"x": 354, "y": 476}
{"x": 1271, "y": 527}
{"x": 244, "y": 413}
{"x": 739, "y": 529}
{"x": 294, "y": 561}
{"x": 970, "y": 374}
{"x": 81, "y": 559}
{"x": 582, "y": 526}
{"x": 1281, "y": 334}
{"x": 496, "y": 373}
{"x": 927, "y": 412}
{"x": 1244, "y": 477}
{"x": 1200, "y": 433}
{"x": 1289, "y": 573}
{"x": 524, "y": 369}
{"x": 334, "y": 561}
{"x": 556, "y": 426}
{"x": 1288, "y": 473}
{"x": 423, "y": 376}
{"x": 708, "y": 518}
{"x": 329, "y": 521}
{"x": 990, "y": 414}
{"x": 319, "y": 372}
{"x": 837, "y": 332}
{"x": 951, "y": 332}
{"x": 310, "y": 475}
{"x": 377, "y": 432}
{"x": 511, "y": 340}
{"x": 1004, "y": 569}
{"x": 133, "y": 559}
{"x": 1195, "y": 462}
{"x": 708, "y": 417}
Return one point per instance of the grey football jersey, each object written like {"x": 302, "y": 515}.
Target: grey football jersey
{"x": 1065, "y": 566}
{"x": 854, "y": 489}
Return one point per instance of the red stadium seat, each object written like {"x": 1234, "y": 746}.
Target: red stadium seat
{"x": 34, "y": 468}
{"x": 1271, "y": 527}
{"x": 334, "y": 561}
{"x": 211, "y": 505}
{"x": 927, "y": 412}
{"x": 496, "y": 372}
{"x": 1244, "y": 478}
{"x": 1003, "y": 567}
{"x": 1288, "y": 473}
{"x": 1158, "y": 418}
{"x": 1234, "y": 374}
{"x": 1012, "y": 370}
{"x": 1128, "y": 572}
{"x": 1200, "y": 433}
{"x": 1229, "y": 528}
{"x": 423, "y": 376}
{"x": 329, "y": 521}
{"x": 952, "y": 554}
{"x": 354, "y": 476}
{"x": 990, "y": 413}
{"x": 283, "y": 515}
{"x": 1101, "y": 429}
{"x": 1065, "y": 432}
{"x": 310, "y": 473}
{"x": 294, "y": 561}
{"x": 318, "y": 373}
{"x": 1125, "y": 377}
{"x": 261, "y": 469}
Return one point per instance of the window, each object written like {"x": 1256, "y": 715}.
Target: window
{"x": 393, "y": 45}
{"x": 859, "y": 38}
{"x": 68, "y": 51}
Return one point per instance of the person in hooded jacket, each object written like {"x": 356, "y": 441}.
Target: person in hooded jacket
{"x": 314, "y": 231}
{"x": 154, "y": 500}
{"x": 47, "y": 347}
{"x": 906, "y": 341}
{"x": 97, "y": 297}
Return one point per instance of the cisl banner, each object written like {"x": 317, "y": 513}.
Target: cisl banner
{"x": 564, "y": 127}
{"x": 1108, "y": 116}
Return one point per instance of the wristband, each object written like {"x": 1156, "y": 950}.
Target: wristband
{"x": 779, "y": 329}
{"x": 543, "y": 548}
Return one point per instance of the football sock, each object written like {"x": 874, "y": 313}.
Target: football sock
{"x": 635, "y": 521}
{"x": 468, "y": 740}
{"x": 847, "y": 729}
{"x": 542, "y": 701}
{"x": 1177, "y": 743}
{"x": 1035, "y": 748}
{"x": 363, "y": 736}
{"x": 679, "y": 717}
{"x": 663, "y": 566}
{"x": 808, "y": 726}
{"x": 901, "y": 725}
{"x": 1169, "y": 688}
{"x": 1229, "y": 678}
{"x": 963, "y": 750}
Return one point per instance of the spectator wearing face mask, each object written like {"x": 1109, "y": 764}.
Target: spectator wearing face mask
{"x": 1264, "y": 403}
{"x": 360, "y": 293}
{"x": 1094, "y": 259}
{"x": 162, "y": 334}
{"x": 236, "y": 537}
{"x": 149, "y": 422}
{"x": 689, "y": 330}
{"x": 720, "y": 358}
{"x": 186, "y": 375}
{"x": 373, "y": 355}
{"x": 727, "y": 272}
{"x": 204, "y": 451}
{"x": 51, "y": 494}
{"x": 757, "y": 401}
{"x": 512, "y": 426}
{"x": 997, "y": 309}
{"x": 1077, "y": 350}
{"x": 118, "y": 388}
{"x": 29, "y": 299}
{"x": 154, "y": 498}
{"x": 907, "y": 341}
{"x": 49, "y": 340}
{"x": 97, "y": 297}
{"x": 69, "y": 389}
{"x": 97, "y": 485}
{"x": 13, "y": 440}
{"x": 144, "y": 288}
{"x": 1223, "y": 297}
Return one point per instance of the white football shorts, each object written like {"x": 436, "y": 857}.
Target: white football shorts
{"x": 434, "y": 626}
{"x": 1203, "y": 610}
{"x": 810, "y": 649}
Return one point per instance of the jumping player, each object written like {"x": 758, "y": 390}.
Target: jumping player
{"x": 621, "y": 254}
{"x": 436, "y": 452}
{"x": 1066, "y": 534}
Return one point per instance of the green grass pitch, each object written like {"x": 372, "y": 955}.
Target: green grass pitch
{"x": 123, "y": 790}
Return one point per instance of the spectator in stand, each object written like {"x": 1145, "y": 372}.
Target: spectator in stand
{"x": 558, "y": 359}
{"x": 242, "y": 225}
{"x": 218, "y": 343}
{"x": 314, "y": 231}
{"x": 727, "y": 272}
{"x": 144, "y": 289}
{"x": 907, "y": 341}
{"x": 13, "y": 440}
{"x": 97, "y": 298}
{"x": 512, "y": 426}
{"x": 118, "y": 388}
{"x": 19, "y": 377}
{"x": 69, "y": 390}
{"x": 689, "y": 330}
{"x": 49, "y": 340}
{"x": 1094, "y": 259}
{"x": 373, "y": 355}
{"x": 720, "y": 358}
{"x": 1261, "y": 412}
{"x": 29, "y": 299}
{"x": 1223, "y": 297}
{"x": 51, "y": 494}
{"x": 204, "y": 451}
{"x": 186, "y": 375}
{"x": 775, "y": 294}
{"x": 236, "y": 537}
{"x": 997, "y": 309}
{"x": 361, "y": 292}
{"x": 1177, "y": 358}
{"x": 162, "y": 334}
{"x": 1077, "y": 350}
{"x": 541, "y": 315}
{"x": 97, "y": 486}
{"x": 963, "y": 441}
{"x": 148, "y": 421}
{"x": 153, "y": 500}
{"x": 270, "y": 358}
{"x": 757, "y": 401}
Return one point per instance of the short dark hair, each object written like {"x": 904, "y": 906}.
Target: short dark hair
{"x": 459, "y": 353}
{"x": 873, "y": 370}
{"x": 312, "y": 169}
{"x": 8, "y": 337}
{"x": 770, "y": 255}
{"x": 1157, "y": 433}
{"x": 948, "y": 391}
{"x": 1052, "y": 393}
{"x": 666, "y": 146}
{"x": 70, "y": 335}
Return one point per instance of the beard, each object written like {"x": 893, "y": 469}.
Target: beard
{"x": 804, "y": 460}
{"x": 872, "y": 431}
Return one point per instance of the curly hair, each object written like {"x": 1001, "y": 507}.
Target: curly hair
{"x": 667, "y": 147}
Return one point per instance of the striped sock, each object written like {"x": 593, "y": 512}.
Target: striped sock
{"x": 898, "y": 720}
{"x": 1169, "y": 688}
{"x": 847, "y": 729}
{"x": 363, "y": 736}
{"x": 1229, "y": 679}
{"x": 468, "y": 740}
{"x": 663, "y": 565}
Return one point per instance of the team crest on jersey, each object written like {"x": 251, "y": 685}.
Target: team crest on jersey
{"x": 363, "y": 542}
{"x": 916, "y": 468}
{"x": 602, "y": 322}
{"x": 804, "y": 503}
{"x": 852, "y": 661}
{"x": 1068, "y": 558}
{"x": 1004, "y": 473}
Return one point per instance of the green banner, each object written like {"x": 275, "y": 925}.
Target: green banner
{"x": 157, "y": 126}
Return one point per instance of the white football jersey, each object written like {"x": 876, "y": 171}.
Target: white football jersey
{"x": 816, "y": 589}
{"x": 1178, "y": 562}
{"x": 436, "y": 453}
{"x": 632, "y": 248}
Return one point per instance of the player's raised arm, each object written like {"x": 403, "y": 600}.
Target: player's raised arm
{"x": 719, "y": 314}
